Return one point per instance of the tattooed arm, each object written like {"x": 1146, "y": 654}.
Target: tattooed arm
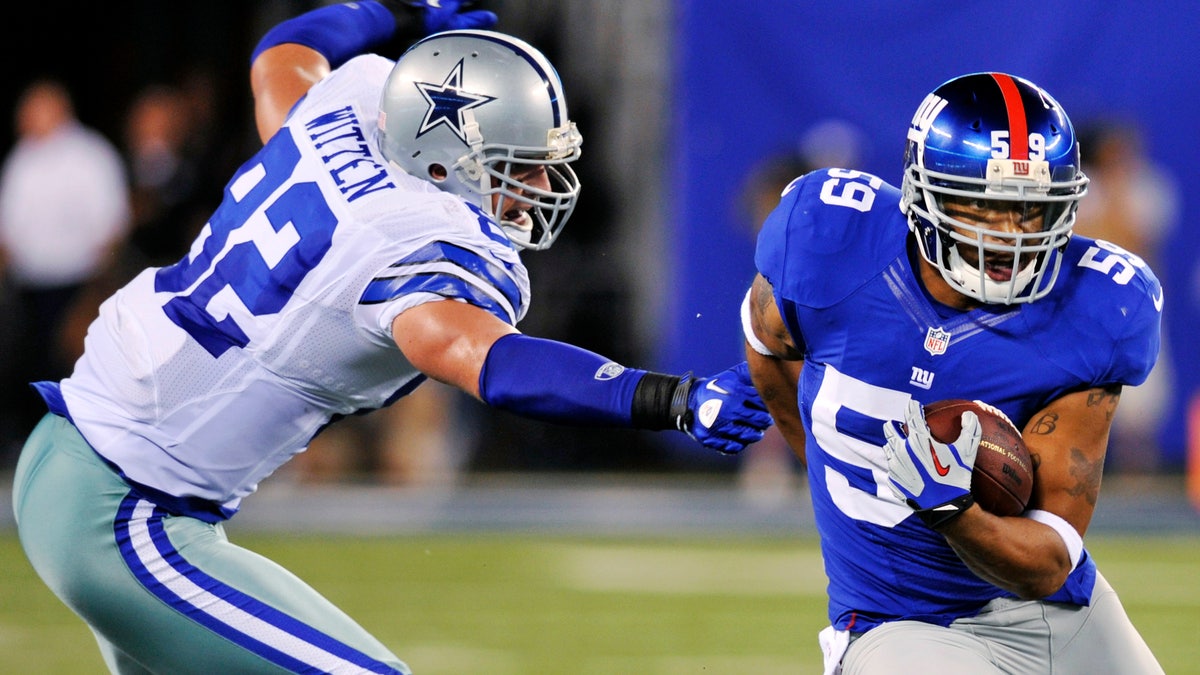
{"x": 1067, "y": 440}
{"x": 776, "y": 374}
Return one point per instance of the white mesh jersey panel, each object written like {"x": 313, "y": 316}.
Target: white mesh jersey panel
{"x": 203, "y": 378}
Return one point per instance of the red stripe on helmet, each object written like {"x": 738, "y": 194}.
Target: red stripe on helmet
{"x": 1018, "y": 126}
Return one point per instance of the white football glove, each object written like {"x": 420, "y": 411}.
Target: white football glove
{"x": 932, "y": 477}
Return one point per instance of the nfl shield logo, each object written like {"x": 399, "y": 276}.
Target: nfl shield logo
{"x": 936, "y": 341}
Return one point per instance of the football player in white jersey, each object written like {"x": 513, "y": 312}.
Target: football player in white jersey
{"x": 372, "y": 243}
{"x": 964, "y": 283}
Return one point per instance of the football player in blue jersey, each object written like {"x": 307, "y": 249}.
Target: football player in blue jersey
{"x": 370, "y": 244}
{"x": 966, "y": 282}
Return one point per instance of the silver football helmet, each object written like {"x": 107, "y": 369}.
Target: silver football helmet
{"x": 480, "y": 113}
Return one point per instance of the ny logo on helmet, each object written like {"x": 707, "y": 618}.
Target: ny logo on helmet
{"x": 922, "y": 121}
{"x": 448, "y": 103}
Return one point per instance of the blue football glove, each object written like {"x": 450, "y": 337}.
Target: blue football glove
{"x": 418, "y": 18}
{"x": 723, "y": 412}
{"x": 932, "y": 477}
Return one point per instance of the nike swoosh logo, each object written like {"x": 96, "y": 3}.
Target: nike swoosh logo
{"x": 713, "y": 386}
{"x": 1158, "y": 299}
{"x": 941, "y": 469}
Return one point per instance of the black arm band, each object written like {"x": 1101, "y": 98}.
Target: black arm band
{"x": 939, "y": 516}
{"x": 660, "y": 402}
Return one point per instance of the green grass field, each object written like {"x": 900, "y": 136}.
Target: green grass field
{"x": 506, "y": 604}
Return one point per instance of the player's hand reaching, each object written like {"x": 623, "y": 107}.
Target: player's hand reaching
{"x": 418, "y": 18}
{"x": 932, "y": 477}
{"x": 723, "y": 412}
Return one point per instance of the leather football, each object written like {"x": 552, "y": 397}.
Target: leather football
{"x": 1002, "y": 480}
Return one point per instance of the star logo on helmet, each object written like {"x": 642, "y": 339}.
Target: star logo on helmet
{"x": 447, "y": 103}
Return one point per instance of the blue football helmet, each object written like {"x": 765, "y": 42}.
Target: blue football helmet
{"x": 471, "y": 111}
{"x": 996, "y": 142}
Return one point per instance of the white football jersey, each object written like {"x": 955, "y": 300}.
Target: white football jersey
{"x": 202, "y": 378}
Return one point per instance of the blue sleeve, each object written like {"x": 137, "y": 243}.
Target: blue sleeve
{"x": 339, "y": 32}
{"x": 557, "y": 382}
{"x": 1110, "y": 308}
{"x": 1137, "y": 351}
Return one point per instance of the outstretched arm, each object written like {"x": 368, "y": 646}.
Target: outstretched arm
{"x": 449, "y": 341}
{"x": 297, "y": 53}
{"x": 462, "y": 345}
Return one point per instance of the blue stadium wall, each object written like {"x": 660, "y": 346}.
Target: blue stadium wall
{"x": 752, "y": 76}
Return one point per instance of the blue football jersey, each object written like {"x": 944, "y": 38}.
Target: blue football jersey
{"x": 835, "y": 251}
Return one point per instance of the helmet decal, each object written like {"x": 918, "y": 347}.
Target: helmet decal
{"x": 1018, "y": 126}
{"x": 447, "y": 103}
{"x": 922, "y": 121}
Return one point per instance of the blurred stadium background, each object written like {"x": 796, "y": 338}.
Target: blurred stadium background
{"x": 685, "y": 105}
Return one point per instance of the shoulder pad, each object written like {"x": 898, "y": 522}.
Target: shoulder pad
{"x": 833, "y": 230}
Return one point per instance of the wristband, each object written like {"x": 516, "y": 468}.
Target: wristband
{"x": 654, "y": 399}
{"x": 943, "y": 514}
{"x": 1070, "y": 535}
{"x": 339, "y": 32}
{"x": 679, "y": 413}
{"x": 661, "y": 402}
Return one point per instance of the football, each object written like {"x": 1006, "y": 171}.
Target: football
{"x": 1003, "y": 477}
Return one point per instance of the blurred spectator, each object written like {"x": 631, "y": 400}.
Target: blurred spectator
{"x": 768, "y": 469}
{"x": 164, "y": 177}
{"x": 830, "y": 142}
{"x": 176, "y": 169}
{"x": 763, "y": 185}
{"x": 1132, "y": 202}
{"x": 64, "y": 205}
{"x": 833, "y": 142}
{"x": 179, "y": 151}
{"x": 218, "y": 137}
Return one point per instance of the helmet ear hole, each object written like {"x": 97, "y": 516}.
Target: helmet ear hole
{"x": 438, "y": 172}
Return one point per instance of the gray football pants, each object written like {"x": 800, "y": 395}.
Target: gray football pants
{"x": 169, "y": 594}
{"x": 1011, "y": 637}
